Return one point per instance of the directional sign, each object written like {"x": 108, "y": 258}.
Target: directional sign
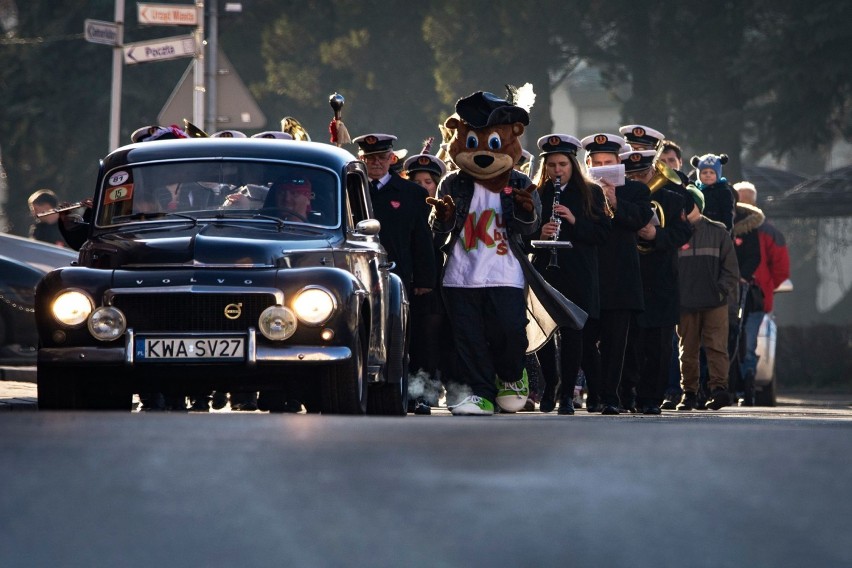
{"x": 101, "y": 32}
{"x": 159, "y": 50}
{"x": 167, "y": 14}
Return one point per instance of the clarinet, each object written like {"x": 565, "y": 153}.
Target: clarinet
{"x": 554, "y": 218}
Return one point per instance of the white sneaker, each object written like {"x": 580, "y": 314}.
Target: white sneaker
{"x": 473, "y": 406}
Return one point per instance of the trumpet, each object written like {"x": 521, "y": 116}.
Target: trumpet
{"x": 295, "y": 129}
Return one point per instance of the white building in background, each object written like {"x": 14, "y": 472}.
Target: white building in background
{"x": 580, "y": 105}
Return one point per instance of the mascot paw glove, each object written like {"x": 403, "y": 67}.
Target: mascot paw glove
{"x": 445, "y": 208}
{"x": 524, "y": 201}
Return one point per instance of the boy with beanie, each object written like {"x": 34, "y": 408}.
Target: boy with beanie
{"x": 709, "y": 275}
{"x": 718, "y": 195}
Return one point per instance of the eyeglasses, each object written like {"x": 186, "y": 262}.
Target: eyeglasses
{"x": 376, "y": 157}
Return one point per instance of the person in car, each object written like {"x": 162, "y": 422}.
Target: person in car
{"x": 291, "y": 199}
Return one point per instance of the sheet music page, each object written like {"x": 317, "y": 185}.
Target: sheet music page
{"x": 613, "y": 175}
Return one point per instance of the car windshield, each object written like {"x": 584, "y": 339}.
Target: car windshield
{"x": 221, "y": 189}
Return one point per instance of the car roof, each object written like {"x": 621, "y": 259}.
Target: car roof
{"x": 324, "y": 155}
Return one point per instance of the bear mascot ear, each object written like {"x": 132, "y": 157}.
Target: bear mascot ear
{"x": 723, "y": 159}
{"x": 694, "y": 161}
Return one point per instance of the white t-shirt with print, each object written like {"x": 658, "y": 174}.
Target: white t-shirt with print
{"x": 481, "y": 257}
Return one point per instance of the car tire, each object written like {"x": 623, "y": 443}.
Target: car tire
{"x": 344, "y": 386}
{"x": 391, "y": 397}
{"x": 767, "y": 396}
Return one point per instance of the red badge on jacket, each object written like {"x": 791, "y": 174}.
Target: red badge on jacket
{"x": 685, "y": 246}
{"x": 395, "y": 204}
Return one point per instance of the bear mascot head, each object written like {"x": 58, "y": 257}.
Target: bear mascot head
{"x": 485, "y": 138}
{"x": 484, "y": 143}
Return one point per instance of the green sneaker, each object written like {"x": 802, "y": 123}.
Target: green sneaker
{"x": 511, "y": 397}
{"x": 473, "y": 406}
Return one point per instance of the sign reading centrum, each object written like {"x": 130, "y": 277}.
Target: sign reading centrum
{"x": 167, "y": 14}
{"x": 159, "y": 50}
{"x": 97, "y": 31}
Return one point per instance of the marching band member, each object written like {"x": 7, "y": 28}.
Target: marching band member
{"x": 576, "y": 211}
{"x": 620, "y": 279}
{"x": 429, "y": 329}
{"x": 649, "y": 345}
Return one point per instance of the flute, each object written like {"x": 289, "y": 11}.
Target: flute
{"x": 61, "y": 208}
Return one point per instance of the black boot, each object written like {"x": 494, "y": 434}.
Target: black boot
{"x": 566, "y": 405}
{"x": 748, "y": 387}
{"x": 548, "y": 398}
{"x": 688, "y": 402}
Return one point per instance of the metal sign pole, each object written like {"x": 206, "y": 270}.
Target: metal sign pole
{"x": 212, "y": 122}
{"x": 117, "y": 67}
{"x": 198, "y": 99}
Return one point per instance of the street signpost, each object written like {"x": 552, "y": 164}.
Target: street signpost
{"x": 167, "y": 14}
{"x": 160, "y": 49}
{"x": 106, "y": 33}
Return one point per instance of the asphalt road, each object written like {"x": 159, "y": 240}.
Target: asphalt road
{"x": 738, "y": 487}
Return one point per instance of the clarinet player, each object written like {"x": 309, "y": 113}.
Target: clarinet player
{"x": 579, "y": 206}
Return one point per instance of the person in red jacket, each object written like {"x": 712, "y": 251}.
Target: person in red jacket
{"x": 773, "y": 269}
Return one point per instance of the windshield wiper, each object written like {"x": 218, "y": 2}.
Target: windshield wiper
{"x": 154, "y": 216}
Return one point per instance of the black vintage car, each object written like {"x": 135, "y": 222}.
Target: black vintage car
{"x": 231, "y": 265}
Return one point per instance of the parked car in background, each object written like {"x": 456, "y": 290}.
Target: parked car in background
{"x": 23, "y": 262}
{"x": 233, "y": 265}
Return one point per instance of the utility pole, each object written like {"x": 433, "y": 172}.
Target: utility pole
{"x": 117, "y": 67}
{"x": 199, "y": 90}
{"x": 211, "y": 125}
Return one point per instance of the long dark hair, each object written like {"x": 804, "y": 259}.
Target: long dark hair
{"x": 576, "y": 182}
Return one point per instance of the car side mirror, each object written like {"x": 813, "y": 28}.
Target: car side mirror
{"x": 368, "y": 227}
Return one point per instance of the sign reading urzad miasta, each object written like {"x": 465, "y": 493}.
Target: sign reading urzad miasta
{"x": 167, "y": 14}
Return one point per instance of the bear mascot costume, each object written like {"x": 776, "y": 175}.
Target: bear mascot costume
{"x": 499, "y": 306}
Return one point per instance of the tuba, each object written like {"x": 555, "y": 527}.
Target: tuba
{"x": 663, "y": 175}
{"x": 292, "y": 127}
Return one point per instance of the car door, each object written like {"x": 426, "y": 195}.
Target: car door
{"x": 367, "y": 260}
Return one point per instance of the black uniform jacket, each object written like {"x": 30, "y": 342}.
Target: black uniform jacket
{"x": 719, "y": 203}
{"x": 401, "y": 208}
{"x": 547, "y": 309}
{"x": 659, "y": 264}
{"x": 746, "y": 241}
{"x": 618, "y": 257}
{"x": 578, "y": 275}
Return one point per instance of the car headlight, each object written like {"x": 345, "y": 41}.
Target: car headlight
{"x": 72, "y": 307}
{"x": 107, "y": 323}
{"x": 277, "y": 323}
{"x": 314, "y": 305}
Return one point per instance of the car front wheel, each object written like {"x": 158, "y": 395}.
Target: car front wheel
{"x": 344, "y": 386}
